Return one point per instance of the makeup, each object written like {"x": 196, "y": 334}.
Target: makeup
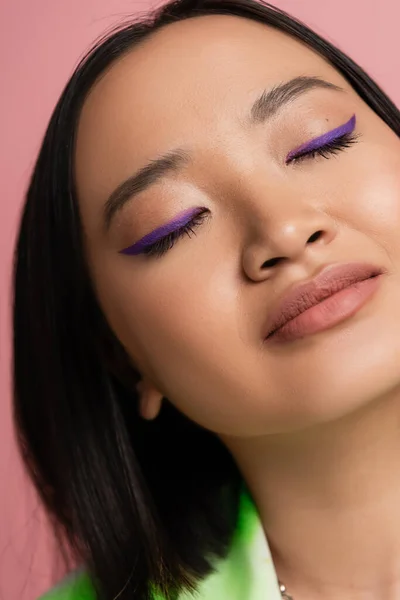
{"x": 156, "y": 235}
{"x": 323, "y": 140}
{"x": 328, "y": 313}
{"x": 160, "y": 240}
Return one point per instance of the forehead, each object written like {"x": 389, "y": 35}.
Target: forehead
{"x": 181, "y": 86}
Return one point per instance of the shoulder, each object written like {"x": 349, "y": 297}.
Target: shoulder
{"x": 76, "y": 586}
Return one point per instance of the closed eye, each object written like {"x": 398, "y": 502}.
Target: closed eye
{"x": 166, "y": 242}
{"x": 325, "y": 145}
{"x": 326, "y": 150}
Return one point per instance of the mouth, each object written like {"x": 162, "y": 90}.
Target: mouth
{"x": 336, "y": 294}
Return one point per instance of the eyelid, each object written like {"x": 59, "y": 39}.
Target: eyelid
{"x": 325, "y": 138}
{"x": 184, "y": 218}
{"x": 157, "y": 234}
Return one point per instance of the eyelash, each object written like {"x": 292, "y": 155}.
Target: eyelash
{"x": 326, "y": 151}
{"x": 167, "y": 242}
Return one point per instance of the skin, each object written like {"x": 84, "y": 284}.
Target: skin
{"x": 313, "y": 424}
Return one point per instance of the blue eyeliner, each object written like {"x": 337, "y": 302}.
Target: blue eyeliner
{"x": 324, "y": 139}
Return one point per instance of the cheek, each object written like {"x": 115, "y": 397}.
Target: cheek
{"x": 168, "y": 314}
{"x": 184, "y": 329}
{"x": 367, "y": 199}
{"x": 383, "y": 202}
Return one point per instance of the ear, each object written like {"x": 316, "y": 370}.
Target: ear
{"x": 150, "y": 400}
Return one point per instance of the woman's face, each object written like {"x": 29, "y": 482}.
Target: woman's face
{"x": 193, "y": 318}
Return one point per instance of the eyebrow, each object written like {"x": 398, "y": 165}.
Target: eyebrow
{"x": 265, "y": 107}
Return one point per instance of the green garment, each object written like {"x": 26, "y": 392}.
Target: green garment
{"x": 247, "y": 573}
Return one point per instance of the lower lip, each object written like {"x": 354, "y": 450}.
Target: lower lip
{"x": 329, "y": 312}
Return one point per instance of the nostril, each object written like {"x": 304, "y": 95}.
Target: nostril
{"x": 315, "y": 236}
{"x": 271, "y": 262}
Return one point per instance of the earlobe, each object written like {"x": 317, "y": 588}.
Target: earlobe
{"x": 150, "y": 401}
{"x": 150, "y": 408}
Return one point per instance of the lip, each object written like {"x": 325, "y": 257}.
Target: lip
{"x": 301, "y": 297}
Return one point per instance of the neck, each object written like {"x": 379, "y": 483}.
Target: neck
{"x": 329, "y": 501}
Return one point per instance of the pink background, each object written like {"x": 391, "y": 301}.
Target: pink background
{"x": 40, "y": 43}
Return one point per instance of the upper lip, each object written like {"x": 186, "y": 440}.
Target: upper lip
{"x": 302, "y": 296}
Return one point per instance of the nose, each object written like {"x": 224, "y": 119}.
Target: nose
{"x": 287, "y": 238}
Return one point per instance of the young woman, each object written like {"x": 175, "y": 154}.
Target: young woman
{"x": 207, "y": 315}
